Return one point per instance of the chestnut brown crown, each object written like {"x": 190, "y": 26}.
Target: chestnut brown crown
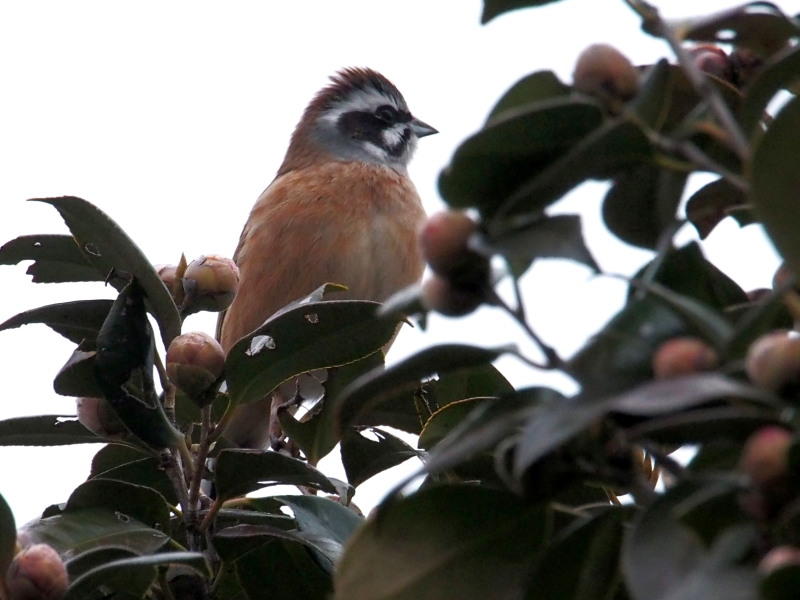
{"x": 360, "y": 116}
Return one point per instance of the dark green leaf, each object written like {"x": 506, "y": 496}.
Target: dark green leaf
{"x": 57, "y": 258}
{"x": 74, "y": 320}
{"x": 125, "y": 500}
{"x": 122, "y": 463}
{"x": 582, "y": 563}
{"x": 45, "y": 430}
{"x": 641, "y": 204}
{"x": 76, "y": 377}
{"x": 493, "y": 8}
{"x": 8, "y": 535}
{"x": 712, "y": 203}
{"x": 775, "y": 181}
{"x": 532, "y": 88}
{"x": 760, "y": 26}
{"x": 286, "y": 569}
{"x": 558, "y": 236}
{"x": 480, "y": 381}
{"x": 311, "y": 336}
{"x": 80, "y": 530}
{"x": 234, "y": 542}
{"x": 492, "y": 164}
{"x": 238, "y": 472}
{"x": 779, "y": 71}
{"x": 322, "y": 517}
{"x": 86, "y": 561}
{"x": 447, "y": 418}
{"x": 370, "y": 390}
{"x": 105, "y": 245}
{"x": 318, "y": 435}
{"x": 443, "y": 543}
{"x": 782, "y": 583}
{"x": 764, "y": 316}
{"x": 133, "y": 575}
{"x": 652, "y": 102}
{"x": 363, "y": 456}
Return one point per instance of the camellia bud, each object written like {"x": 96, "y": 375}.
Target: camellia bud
{"x": 778, "y": 558}
{"x": 169, "y": 275}
{"x": 714, "y": 61}
{"x": 765, "y": 461}
{"x": 683, "y": 356}
{"x": 98, "y": 417}
{"x": 773, "y": 361}
{"x": 209, "y": 283}
{"x": 602, "y": 70}
{"x": 37, "y": 573}
{"x": 441, "y": 295}
{"x": 195, "y": 364}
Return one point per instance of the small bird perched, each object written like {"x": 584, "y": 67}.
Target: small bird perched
{"x": 341, "y": 209}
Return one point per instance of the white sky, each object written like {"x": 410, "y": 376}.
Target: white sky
{"x": 173, "y": 117}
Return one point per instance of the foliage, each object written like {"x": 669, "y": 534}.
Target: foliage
{"x": 520, "y": 487}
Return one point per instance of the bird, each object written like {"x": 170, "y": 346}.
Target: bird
{"x": 341, "y": 209}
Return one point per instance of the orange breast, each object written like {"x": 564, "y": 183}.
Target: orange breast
{"x": 348, "y": 223}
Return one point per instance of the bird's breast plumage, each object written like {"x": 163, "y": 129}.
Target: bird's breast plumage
{"x": 349, "y": 223}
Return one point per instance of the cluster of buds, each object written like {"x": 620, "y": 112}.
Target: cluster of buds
{"x": 208, "y": 283}
{"x": 460, "y": 276}
{"x": 37, "y": 572}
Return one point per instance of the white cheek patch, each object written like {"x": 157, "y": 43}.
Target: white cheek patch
{"x": 393, "y": 136}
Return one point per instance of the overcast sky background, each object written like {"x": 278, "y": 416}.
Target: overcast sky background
{"x": 172, "y": 117}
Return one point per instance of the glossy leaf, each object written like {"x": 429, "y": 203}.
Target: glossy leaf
{"x": 307, "y": 337}
{"x": 712, "y": 203}
{"x": 234, "y": 542}
{"x": 778, "y": 72}
{"x": 558, "y": 236}
{"x": 45, "y": 430}
{"x": 125, "y": 500}
{"x": 79, "y": 530}
{"x": 444, "y": 543}
{"x": 238, "y": 472}
{"x": 775, "y": 181}
{"x": 74, "y": 320}
{"x": 8, "y": 535}
{"x": 372, "y": 451}
{"x": 322, "y": 517}
{"x": 651, "y": 103}
{"x": 496, "y": 161}
{"x": 57, "y": 258}
{"x": 536, "y": 87}
{"x": 595, "y": 576}
{"x": 479, "y": 381}
{"x": 105, "y": 245}
{"x": 287, "y": 569}
{"x": 77, "y": 376}
{"x": 123, "y": 463}
{"x": 493, "y": 8}
{"x": 132, "y": 575}
{"x": 641, "y": 203}
{"x": 760, "y": 318}
{"x": 378, "y": 386}
{"x": 86, "y": 561}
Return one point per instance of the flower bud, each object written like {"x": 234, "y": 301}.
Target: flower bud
{"x": 444, "y": 297}
{"x": 209, "y": 283}
{"x": 765, "y": 461}
{"x": 602, "y": 70}
{"x": 714, "y": 61}
{"x": 195, "y": 364}
{"x": 683, "y": 356}
{"x": 37, "y": 573}
{"x": 773, "y": 361}
{"x": 778, "y": 558}
{"x": 169, "y": 276}
{"x": 98, "y": 417}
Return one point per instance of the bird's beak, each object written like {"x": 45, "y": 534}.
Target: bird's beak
{"x": 422, "y": 129}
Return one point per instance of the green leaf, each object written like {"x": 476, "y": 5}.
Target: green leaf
{"x": 782, "y": 583}
{"x": 641, "y": 204}
{"x": 582, "y": 563}
{"x": 86, "y": 561}
{"x": 74, "y": 320}
{"x": 238, "y": 472}
{"x": 775, "y": 181}
{"x": 57, "y": 258}
{"x": 318, "y": 435}
{"x": 492, "y": 164}
{"x": 364, "y": 457}
{"x": 378, "y": 386}
{"x": 80, "y": 530}
{"x": 779, "y": 71}
{"x": 8, "y": 535}
{"x": 132, "y": 575}
{"x": 105, "y": 245}
{"x": 713, "y": 202}
{"x": 760, "y": 318}
{"x": 443, "y": 543}
{"x": 760, "y": 26}
{"x": 322, "y": 517}
{"x": 122, "y": 463}
{"x": 536, "y": 87}
{"x": 308, "y": 337}
{"x": 473, "y": 382}
{"x": 493, "y": 8}
{"x": 558, "y": 236}
{"x": 601, "y": 154}
{"x": 651, "y": 103}
{"x": 77, "y": 376}
{"x": 45, "y": 430}
{"x": 125, "y": 500}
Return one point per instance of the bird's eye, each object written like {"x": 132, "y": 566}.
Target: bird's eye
{"x": 386, "y": 113}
